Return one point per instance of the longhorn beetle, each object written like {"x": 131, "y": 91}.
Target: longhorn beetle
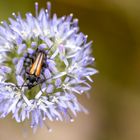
{"x": 33, "y": 74}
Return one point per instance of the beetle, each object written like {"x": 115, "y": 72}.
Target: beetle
{"x": 34, "y": 73}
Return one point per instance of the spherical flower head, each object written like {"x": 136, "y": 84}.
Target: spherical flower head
{"x": 44, "y": 62}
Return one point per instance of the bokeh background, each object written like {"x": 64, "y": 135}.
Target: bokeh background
{"x": 114, "y": 105}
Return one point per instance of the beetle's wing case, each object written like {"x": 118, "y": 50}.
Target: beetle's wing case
{"x": 37, "y": 65}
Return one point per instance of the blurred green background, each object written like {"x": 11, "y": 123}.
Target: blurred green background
{"x": 114, "y": 105}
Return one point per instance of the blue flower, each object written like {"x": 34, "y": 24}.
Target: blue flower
{"x": 44, "y": 63}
